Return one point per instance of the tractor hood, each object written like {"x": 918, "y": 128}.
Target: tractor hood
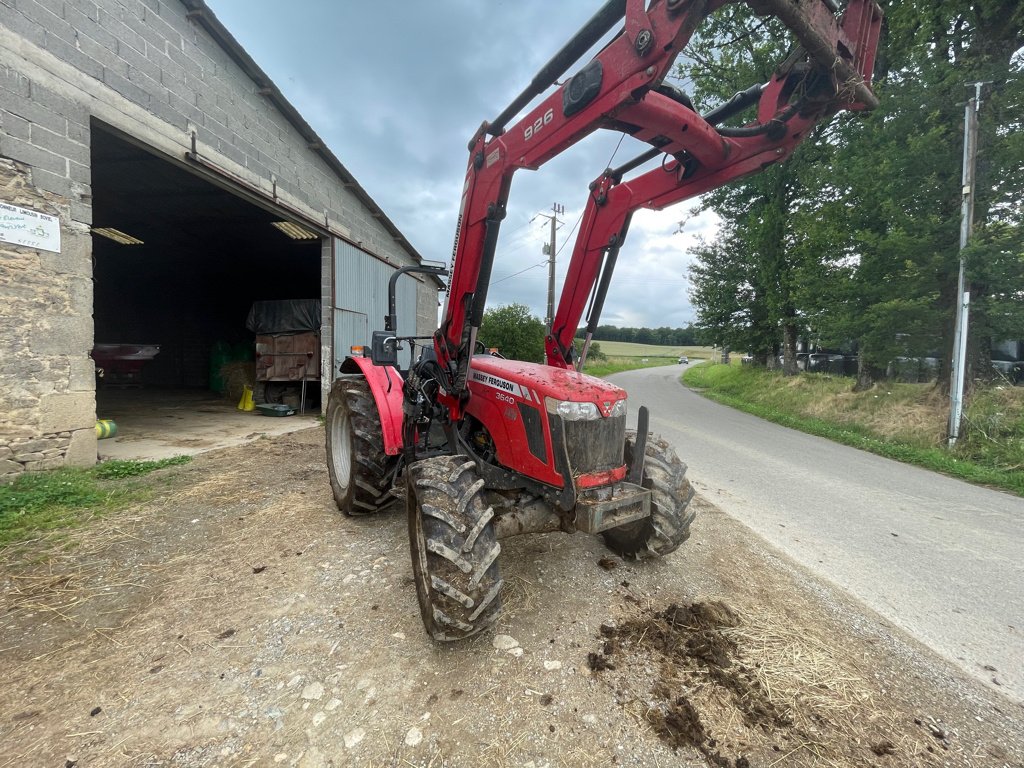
{"x": 534, "y": 382}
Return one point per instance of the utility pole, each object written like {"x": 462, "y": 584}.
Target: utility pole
{"x": 557, "y": 209}
{"x": 963, "y": 296}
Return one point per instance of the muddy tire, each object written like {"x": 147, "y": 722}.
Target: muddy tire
{"x": 669, "y": 523}
{"x": 358, "y": 467}
{"x": 454, "y": 550}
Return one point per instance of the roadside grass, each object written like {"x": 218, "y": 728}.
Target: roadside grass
{"x": 38, "y": 503}
{"x": 905, "y": 422}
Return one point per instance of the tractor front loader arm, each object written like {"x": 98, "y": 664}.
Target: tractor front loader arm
{"x": 636, "y": 60}
{"x": 535, "y": 447}
{"x": 698, "y": 156}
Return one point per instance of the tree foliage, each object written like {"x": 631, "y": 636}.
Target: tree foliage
{"x": 514, "y": 332}
{"x": 744, "y": 281}
{"x": 856, "y": 237}
{"x": 686, "y": 336}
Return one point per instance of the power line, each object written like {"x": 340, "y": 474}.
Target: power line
{"x": 516, "y": 274}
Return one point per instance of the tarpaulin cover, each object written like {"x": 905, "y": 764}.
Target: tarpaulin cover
{"x": 284, "y": 316}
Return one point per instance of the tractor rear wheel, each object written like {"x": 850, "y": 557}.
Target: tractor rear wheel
{"x": 454, "y": 550}
{"x": 358, "y": 467}
{"x": 669, "y": 523}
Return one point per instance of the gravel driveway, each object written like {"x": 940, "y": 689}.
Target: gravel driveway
{"x": 236, "y": 619}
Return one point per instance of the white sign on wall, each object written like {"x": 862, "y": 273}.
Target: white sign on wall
{"x": 29, "y": 228}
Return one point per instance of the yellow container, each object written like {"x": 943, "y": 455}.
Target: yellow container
{"x": 106, "y": 428}
{"x": 246, "y": 403}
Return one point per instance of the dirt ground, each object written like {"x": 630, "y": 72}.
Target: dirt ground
{"x": 236, "y": 619}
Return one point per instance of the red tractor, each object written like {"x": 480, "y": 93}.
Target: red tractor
{"x": 487, "y": 447}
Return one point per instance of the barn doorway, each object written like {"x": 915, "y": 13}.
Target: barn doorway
{"x": 178, "y": 262}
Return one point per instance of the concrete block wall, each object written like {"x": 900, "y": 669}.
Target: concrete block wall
{"x": 153, "y": 56}
{"x": 427, "y": 308}
{"x": 144, "y": 68}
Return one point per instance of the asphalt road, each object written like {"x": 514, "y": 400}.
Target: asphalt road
{"x": 940, "y": 558}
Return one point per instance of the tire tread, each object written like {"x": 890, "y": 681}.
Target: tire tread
{"x": 368, "y": 486}
{"x": 669, "y": 524}
{"x": 454, "y": 550}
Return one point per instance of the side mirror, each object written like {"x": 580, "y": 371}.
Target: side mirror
{"x": 384, "y": 348}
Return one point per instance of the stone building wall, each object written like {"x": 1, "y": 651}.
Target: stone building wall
{"x": 48, "y": 408}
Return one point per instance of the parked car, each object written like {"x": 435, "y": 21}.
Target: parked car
{"x": 824, "y": 362}
{"x": 1011, "y": 371}
{"x": 683, "y": 360}
{"x": 913, "y": 369}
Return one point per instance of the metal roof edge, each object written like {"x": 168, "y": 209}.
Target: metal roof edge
{"x": 199, "y": 11}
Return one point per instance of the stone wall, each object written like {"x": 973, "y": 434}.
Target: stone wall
{"x": 46, "y": 375}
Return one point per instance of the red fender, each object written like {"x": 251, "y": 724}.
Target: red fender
{"x": 386, "y": 385}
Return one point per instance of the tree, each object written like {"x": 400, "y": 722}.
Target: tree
{"x": 995, "y": 262}
{"x": 757, "y": 311}
{"x": 876, "y": 232}
{"x": 514, "y": 332}
{"x": 856, "y": 236}
{"x": 730, "y": 301}
{"x": 678, "y": 337}
{"x": 888, "y": 276}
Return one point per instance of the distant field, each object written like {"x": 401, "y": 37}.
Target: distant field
{"x": 626, "y": 356}
{"x": 629, "y": 349}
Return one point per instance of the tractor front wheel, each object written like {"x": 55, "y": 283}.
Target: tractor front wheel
{"x": 669, "y": 523}
{"x": 358, "y": 467}
{"x": 454, "y": 549}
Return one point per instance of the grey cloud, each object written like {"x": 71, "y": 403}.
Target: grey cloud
{"x": 396, "y": 89}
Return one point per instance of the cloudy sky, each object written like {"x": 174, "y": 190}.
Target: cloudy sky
{"x": 397, "y": 89}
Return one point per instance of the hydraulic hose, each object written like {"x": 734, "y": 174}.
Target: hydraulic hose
{"x": 761, "y": 128}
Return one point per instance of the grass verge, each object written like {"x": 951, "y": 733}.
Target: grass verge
{"x": 39, "y": 502}
{"x": 905, "y": 422}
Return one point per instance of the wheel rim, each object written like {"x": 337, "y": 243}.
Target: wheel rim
{"x": 341, "y": 447}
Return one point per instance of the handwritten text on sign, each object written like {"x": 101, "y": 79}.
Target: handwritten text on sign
{"x": 29, "y": 228}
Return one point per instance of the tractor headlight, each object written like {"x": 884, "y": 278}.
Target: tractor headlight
{"x": 571, "y": 411}
{"x": 619, "y": 409}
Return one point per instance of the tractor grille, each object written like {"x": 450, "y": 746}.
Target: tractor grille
{"x": 595, "y": 446}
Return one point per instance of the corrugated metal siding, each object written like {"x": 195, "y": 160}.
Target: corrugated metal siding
{"x": 361, "y": 299}
{"x": 348, "y": 326}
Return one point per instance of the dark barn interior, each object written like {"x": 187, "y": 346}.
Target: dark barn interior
{"x": 206, "y": 255}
